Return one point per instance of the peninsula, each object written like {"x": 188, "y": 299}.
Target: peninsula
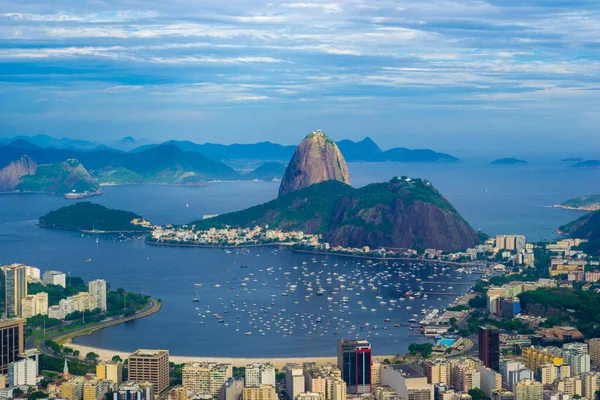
{"x": 583, "y": 203}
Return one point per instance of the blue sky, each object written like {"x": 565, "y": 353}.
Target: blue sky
{"x": 513, "y": 76}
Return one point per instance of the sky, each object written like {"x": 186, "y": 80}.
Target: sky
{"x": 510, "y": 76}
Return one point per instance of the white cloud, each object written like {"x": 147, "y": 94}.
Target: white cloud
{"x": 326, "y": 7}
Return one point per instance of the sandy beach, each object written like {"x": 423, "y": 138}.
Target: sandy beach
{"x": 279, "y": 363}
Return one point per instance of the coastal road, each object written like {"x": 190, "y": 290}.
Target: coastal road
{"x": 53, "y": 333}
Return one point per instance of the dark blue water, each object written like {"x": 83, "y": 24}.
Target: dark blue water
{"x": 494, "y": 199}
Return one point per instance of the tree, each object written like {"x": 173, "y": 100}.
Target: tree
{"x": 36, "y": 395}
{"x": 477, "y": 394}
{"x": 76, "y": 353}
{"x": 116, "y": 358}
{"x": 91, "y": 356}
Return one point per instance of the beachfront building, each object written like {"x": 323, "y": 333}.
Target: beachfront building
{"x": 150, "y": 366}
{"x": 205, "y": 377}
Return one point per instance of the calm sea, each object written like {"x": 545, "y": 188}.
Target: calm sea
{"x": 495, "y": 199}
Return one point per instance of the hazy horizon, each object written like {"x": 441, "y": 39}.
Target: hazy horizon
{"x": 502, "y": 77}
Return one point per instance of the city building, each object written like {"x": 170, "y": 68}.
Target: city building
{"x": 375, "y": 373}
{"x": 266, "y": 392}
{"x": 534, "y": 357}
{"x": 549, "y": 373}
{"x": 354, "y": 360}
{"x": 580, "y": 363}
{"x": 95, "y": 389}
{"x": 517, "y": 376}
{"x": 405, "y": 380}
{"x": 150, "y": 366}
{"x": 55, "y": 278}
{"x": 463, "y": 375}
{"x": 310, "y": 396}
{"x": 205, "y": 377}
{"x": 489, "y": 380}
{"x": 259, "y": 374}
{"x": 326, "y": 380}
{"x": 294, "y": 380}
{"x": 134, "y": 391}
{"x": 15, "y": 283}
{"x": 571, "y": 386}
{"x": 503, "y": 395}
{"x": 489, "y": 347}
{"x": 36, "y": 304}
{"x": 506, "y": 367}
{"x": 594, "y": 349}
{"x": 437, "y": 371}
{"x": 97, "y": 291}
{"x": 32, "y": 273}
{"x": 233, "y": 389}
{"x": 72, "y": 389}
{"x": 529, "y": 390}
{"x": 23, "y": 372}
{"x": 11, "y": 337}
{"x": 110, "y": 370}
{"x": 509, "y": 307}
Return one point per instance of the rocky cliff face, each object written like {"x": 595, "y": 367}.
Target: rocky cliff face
{"x": 12, "y": 173}
{"x": 316, "y": 159}
{"x": 68, "y": 176}
{"x": 399, "y": 214}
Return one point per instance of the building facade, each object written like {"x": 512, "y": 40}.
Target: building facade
{"x": 489, "y": 347}
{"x": 150, "y": 366}
{"x": 354, "y": 360}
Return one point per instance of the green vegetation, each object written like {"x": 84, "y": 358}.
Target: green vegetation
{"x": 591, "y": 201}
{"x": 336, "y": 210}
{"x": 425, "y": 349}
{"x": 585, "y": 227}
{"x": 477, "y": 394}
{"x": 48, "y": 363}
{"x": 478, "y": 319}
{"x": 583, "y": 304}
{"x": 119, "y": 176}
{"x": 459, "y": 307}
{"x": 65, "y": 177}
{"x": 267, "y": 172}
{"x": 86, "y": 216}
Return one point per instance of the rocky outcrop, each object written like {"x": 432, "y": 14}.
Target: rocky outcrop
{"x": 401, "y": 213}
{"x": 10, "y": 175}
{"x": 316, "y": 159}
{"x": 69, "y": 176}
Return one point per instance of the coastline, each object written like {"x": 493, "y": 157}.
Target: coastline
{"x": 94, "y": 232}
{"x": 584, "y": 208}
{"x": 279, "y": 363}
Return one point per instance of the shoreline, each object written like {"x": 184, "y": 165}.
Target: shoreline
{"x": 278, "y": 362}
{"x": 207, "y": 246}
{"x": 584, "y": 208}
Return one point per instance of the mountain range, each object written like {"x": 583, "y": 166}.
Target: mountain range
{"x": 585, "y": 227}
{"x": 315, "y": 197}
{"x": 365, "y": 150}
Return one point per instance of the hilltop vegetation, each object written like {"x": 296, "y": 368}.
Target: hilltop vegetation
{"x": 86, "y": 216}
{"x": 587, "y": 203}
{"x": 65, "y": 177}
{"x": 400, "y": 213}
{"x": 508, "y": 161}
{"x": 585, "y": 227}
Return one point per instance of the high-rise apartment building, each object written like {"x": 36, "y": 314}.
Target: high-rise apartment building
{"x": 259, "y": 374}
{"x": 36, "y": 304}
{"x": 205, "y": 377}
{"x": 409, "y": 383}
{"x": 15, "y": 286}
{"x": 594, "y": 349}
{"x": 95, "y": 389}
{"x": 325, "y": 380}
{"x": 55, "y": 278}
{"x": 529, "y": 390}
{"x": 266, "y": 392}
{"x": 97, "y": 291}
{"x": 150, "y": 366}
{"x": 110, "y": 370}
{"x": 294, "y": 380}
{"x": 534, "y": 357}
{"x": 489, "y": 347}
{"x": 23, "y": 372}
{"x": 11, "y": 338}
{"x": 233, "y": 389}
{"x": 437, "y": 371}
{"x": 72, "y": 389}
{"x": 354, "y": 360}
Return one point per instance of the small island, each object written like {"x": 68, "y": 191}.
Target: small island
{"x": 587, "y": 164}
{"x": 508, "y": 161}
{"x": 94, "y": 218}
{"x": 583, "y": 203}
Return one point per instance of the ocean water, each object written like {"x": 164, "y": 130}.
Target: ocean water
{"x": 495, "y": 199}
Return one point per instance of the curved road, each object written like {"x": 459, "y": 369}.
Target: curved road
{"x": 152, "y": 307}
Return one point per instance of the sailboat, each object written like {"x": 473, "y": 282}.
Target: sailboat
{"x": 197, "y": 298}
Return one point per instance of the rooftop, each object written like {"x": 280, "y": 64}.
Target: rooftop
{"x": 407, "y": 370}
